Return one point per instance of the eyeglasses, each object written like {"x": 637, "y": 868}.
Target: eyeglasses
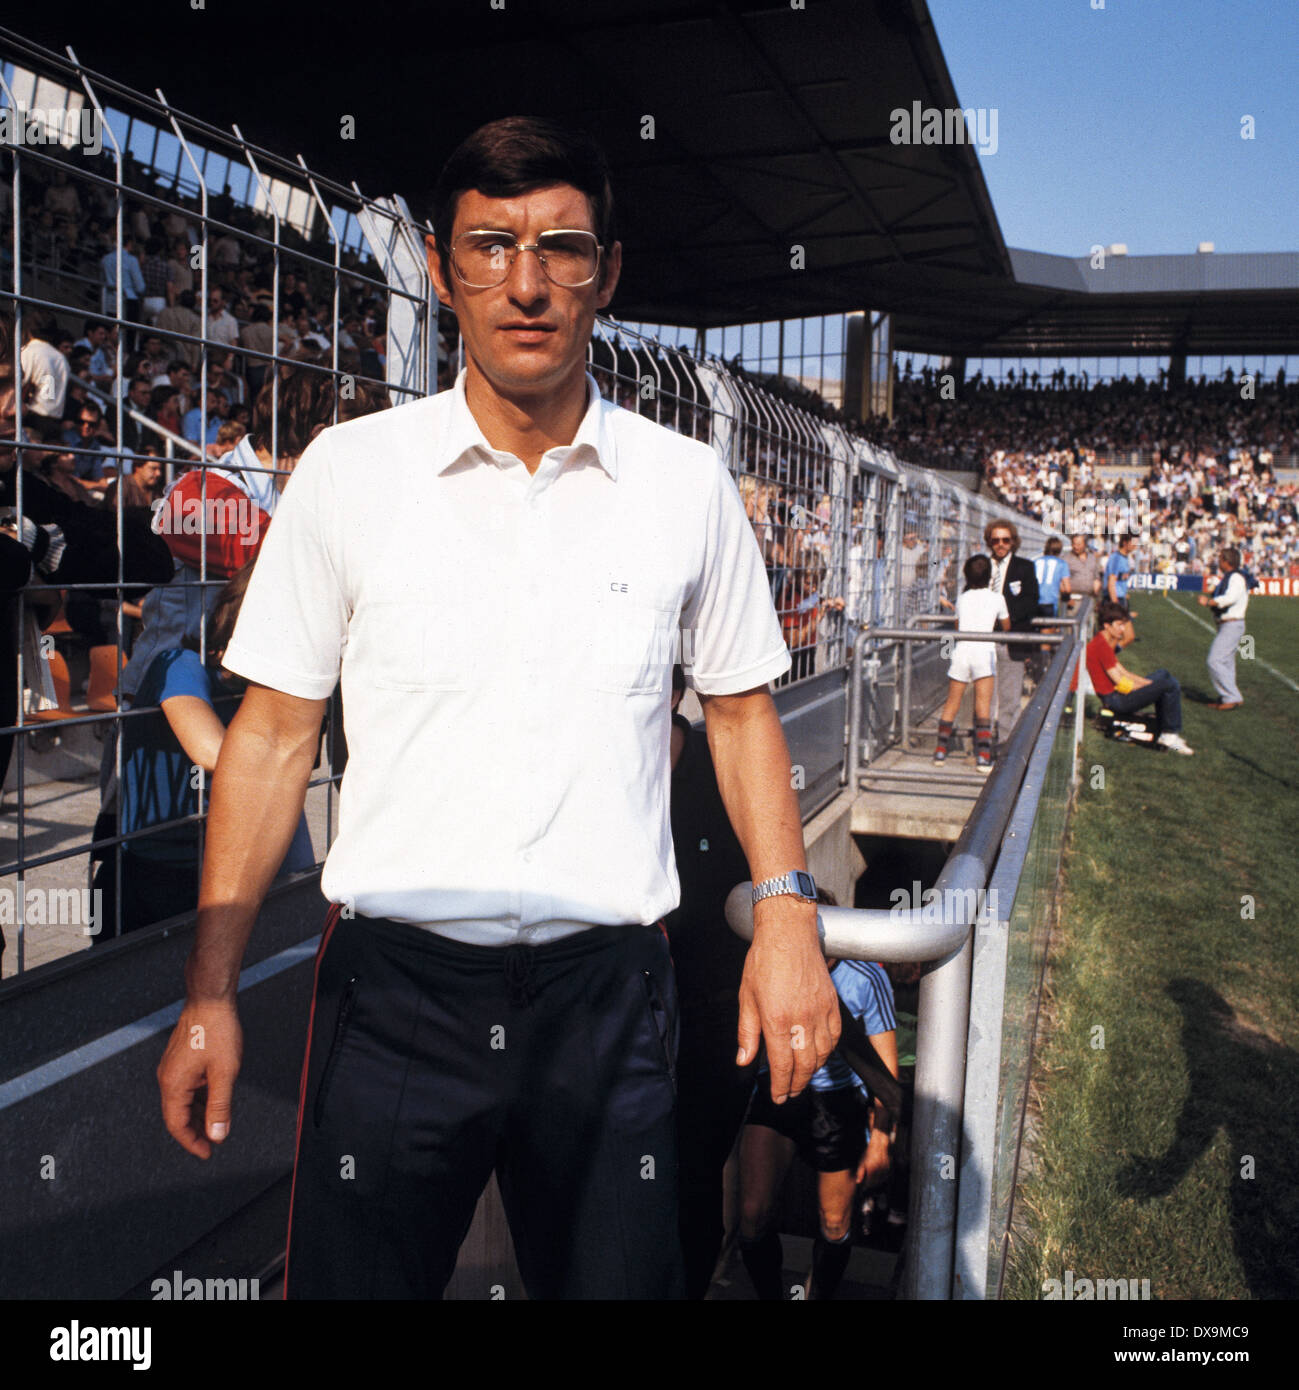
{"x": 483, "y": 259}
{"x": 1001, "y": 540}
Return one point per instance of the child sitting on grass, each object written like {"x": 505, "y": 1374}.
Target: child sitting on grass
{"x": 977, "y": 610}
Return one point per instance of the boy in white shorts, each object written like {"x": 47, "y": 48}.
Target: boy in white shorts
{"x": 978, "y": 609}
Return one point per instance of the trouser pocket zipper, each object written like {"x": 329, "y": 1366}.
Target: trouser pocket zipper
{"x": 335, "y": 1046}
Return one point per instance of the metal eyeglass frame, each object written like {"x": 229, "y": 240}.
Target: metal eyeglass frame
{"x": 535, "y": 247}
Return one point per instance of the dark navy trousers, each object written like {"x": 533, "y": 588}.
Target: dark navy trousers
{"x": 431, "y": 1063}
{"x": 1163, "y": 692}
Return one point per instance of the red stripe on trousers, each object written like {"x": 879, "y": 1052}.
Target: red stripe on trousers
{"x": 331, "y": 919}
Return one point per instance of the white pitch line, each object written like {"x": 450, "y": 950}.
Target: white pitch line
{"x": 1208, "y": 627}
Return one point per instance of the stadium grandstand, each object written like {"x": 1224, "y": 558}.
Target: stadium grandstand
{"x": 187, "y": 302}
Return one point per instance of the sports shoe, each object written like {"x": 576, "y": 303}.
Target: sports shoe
{"x": 1177, "y": 743}
{"x": 940, "y": 755}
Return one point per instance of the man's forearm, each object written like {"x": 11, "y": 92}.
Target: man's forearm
{"x": 258, "y": 791}
{"x": 751, "y": 759}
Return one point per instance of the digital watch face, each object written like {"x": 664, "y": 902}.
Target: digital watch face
{"x": 803, "y": 883}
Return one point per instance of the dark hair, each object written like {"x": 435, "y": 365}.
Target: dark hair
{"x": 515, "y": 155}
{"x": 221, "y": 622}
{"x": 977, "y": 571}
{"x": 306, "y": 399}
{"x": 186, "y": 299}
{"x": 40, "y": 325}
{"x": 1054, "y": 545}
{"x": 1232, "y": 556}
{"x": 678, "y": 678}
{"x": 1111, "y": 612}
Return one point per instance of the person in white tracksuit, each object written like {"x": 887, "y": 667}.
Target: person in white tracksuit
{"x": 1229, "y": 601}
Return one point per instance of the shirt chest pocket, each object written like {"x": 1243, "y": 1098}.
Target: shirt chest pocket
{"x": 627, "y": 646}
{"x": 412, "y": 643}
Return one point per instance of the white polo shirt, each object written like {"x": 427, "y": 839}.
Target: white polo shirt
{"x": 505, "y": 644}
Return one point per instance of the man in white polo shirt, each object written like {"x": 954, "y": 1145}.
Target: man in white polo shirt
{"x": 499, "y": 573}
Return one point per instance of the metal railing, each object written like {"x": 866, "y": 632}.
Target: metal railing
{"x": 1004, "y": 812}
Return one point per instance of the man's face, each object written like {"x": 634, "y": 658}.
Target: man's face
{"x": 98, "y": 336}
{"x": 1079, "y": 544}
{"x": 1001, "y": 544}
{"x": 527, "y": 336}
{"x": 153, "y": 347}
{"x": 147, "y": 472}
{"x": 216, "y": 302}
{"x": 140, "y": 392}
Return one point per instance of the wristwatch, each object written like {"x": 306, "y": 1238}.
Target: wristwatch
{"x": 798, "y": 883}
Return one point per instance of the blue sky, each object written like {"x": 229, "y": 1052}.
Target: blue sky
{"x": 1124, "y": 124}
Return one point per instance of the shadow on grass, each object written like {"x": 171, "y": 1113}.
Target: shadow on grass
{"x": 1261, "y": 771}
{"x": 1240, "y": 1080}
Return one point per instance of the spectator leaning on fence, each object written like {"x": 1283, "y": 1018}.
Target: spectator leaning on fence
{"x": 1229, "y": 601}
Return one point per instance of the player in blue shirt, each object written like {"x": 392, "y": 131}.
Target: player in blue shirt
{"x": 830, "y": 1127}
{"x": 1052, "y": 578}
{"x": 1053, "y": 589}
{"x": 1118, "y": 569}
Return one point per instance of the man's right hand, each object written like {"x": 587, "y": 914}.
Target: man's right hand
{"x": 206, "y": 1049}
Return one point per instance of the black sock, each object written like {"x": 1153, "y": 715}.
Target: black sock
{"x": 945, "y": 727}
{"x": 983, "y": 737}
{"x": 829, "y": 1260}
{"x": 763, "y": 1259}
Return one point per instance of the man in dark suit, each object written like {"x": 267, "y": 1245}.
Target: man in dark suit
{"x": 1016, "y": 580}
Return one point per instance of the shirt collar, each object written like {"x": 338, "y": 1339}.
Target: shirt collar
{"x": 462, "y": 433}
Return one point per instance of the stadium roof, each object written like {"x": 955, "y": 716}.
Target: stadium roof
{"x": 1149, "y": 305}
{"x": 771, "y": 129}
{"x": 770, "y": 125}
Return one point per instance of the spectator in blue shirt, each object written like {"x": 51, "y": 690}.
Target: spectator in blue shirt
{"x": 160, "y": 754}
{"x": 98, "y": 340}
{"x": 218, "y": 407}
{"x": 132, "y": 281}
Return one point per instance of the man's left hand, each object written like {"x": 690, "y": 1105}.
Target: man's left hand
{"x": 786, "y": 997}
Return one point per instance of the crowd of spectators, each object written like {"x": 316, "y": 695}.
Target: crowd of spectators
{"x": 76, "y": 361}
{"x": 1189, "y": 467}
